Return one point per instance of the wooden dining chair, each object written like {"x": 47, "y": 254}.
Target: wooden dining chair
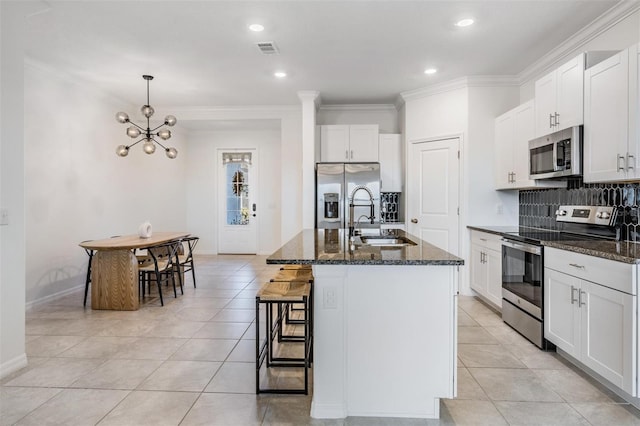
{"x": 162, "y": 267}
{"x": 185, "y": 259}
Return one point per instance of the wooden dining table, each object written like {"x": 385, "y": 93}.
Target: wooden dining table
{"x": 114, "y": 268}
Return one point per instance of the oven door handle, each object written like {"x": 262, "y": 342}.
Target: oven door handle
{"x": 523, "y": 247}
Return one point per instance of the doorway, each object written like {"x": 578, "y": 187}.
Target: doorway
{"x": 434, "y": 192}
{"x": 237, "y": 201}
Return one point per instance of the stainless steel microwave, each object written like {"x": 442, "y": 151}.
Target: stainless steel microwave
{"x": 556, "y": 155}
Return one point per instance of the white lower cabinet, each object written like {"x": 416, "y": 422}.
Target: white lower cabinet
{"x": 595, "y": 323}
{"x": 486, "y": 266}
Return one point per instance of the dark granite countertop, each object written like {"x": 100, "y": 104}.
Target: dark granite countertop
{"x": 620, "y": 251}
{"x": 332, "y": 247}
{"x": 499, "y": 230}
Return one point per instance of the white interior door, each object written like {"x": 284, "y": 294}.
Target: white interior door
{"x": 433, "y": 192}
{"x": 237, "y": 201}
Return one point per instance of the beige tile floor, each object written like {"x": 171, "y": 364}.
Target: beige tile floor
{"x": 191, "y": 363}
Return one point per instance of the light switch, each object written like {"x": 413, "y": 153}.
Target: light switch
{"x": 4, "y": 217}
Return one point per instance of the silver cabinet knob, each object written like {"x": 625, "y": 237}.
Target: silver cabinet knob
{"x": 414, "y": 220}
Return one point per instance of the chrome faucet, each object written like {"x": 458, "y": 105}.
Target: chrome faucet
{"x": 352, "y": 207}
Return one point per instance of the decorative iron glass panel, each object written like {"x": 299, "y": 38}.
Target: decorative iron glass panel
{"x": 237, "y": 192}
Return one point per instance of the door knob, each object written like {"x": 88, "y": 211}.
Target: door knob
{"x": 414, "y": 220}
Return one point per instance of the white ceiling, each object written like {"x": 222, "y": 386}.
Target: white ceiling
{"x": 202, "y": 54}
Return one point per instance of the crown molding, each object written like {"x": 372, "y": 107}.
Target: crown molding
{"x": 362, "y": 107}
{"x": 230, "y": 112}
{"x": 604, "y": 22}
{"x": 459, "y": 83}
{"x": 309, "y": 95}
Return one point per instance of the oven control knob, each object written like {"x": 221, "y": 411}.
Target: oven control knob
{"x": 561, "y": 212}
{"x": 603, "y": 215}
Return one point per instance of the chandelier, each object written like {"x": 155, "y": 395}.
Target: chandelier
{"x": 148, "y": 134}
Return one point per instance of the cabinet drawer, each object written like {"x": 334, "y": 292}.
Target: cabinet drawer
{"x": 616, "y": 275}
{"x": 488, "y": 240}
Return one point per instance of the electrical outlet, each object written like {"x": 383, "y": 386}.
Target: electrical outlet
{"x": 329, "y": 298}
{"x": 4, "y": 217}
{"x": 499, "y": 208}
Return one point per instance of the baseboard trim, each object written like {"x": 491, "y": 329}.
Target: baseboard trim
{"x": 328, "y": 411}
{"x": 13, "y": 365}
{"x": 33, "y": 303}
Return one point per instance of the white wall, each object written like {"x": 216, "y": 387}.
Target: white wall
{"x": 12, "y": 236}
{"x": 290, "y": 151}
{"x": 385, "y": 116}
{"x": 469, "y": 112}
{"x": 77, "y": 188}
{"x": 485, "y": 104}
{"x": 435, "y": 115}
{"x": 202, "y": 185}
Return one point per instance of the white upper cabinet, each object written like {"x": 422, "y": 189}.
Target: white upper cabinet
{"x": 334, "y": 143}
{"x": 513, "y": 130}
{"x": 559, "y": 98}
{"x": 349, "y": 143}
{"x": 390, "y": 154}
{"x": 610, "y": 118}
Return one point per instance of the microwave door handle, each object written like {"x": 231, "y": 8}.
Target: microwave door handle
{"x": 555, "y": 156}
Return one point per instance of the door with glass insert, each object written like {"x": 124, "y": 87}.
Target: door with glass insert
{"x": 237, "y": 205}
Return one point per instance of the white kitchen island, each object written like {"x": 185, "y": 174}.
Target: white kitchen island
{"x": 384, "y": 325}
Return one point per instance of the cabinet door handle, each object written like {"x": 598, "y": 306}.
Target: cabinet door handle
{"x": 575, "y": 265}
{"x": 352, "y": 154}
{"x": 631, "y": 161}
{"x": 346, "y": 154}
{"x": 513, "y": 177}
{"x": 550, "y": 120}
{"x": 580, "y": 302}
{"x": 414, "y": 220}
{"x": 556, "y": 121}
{"x": 573, "y": 299}
{"x": 620, "y": 168}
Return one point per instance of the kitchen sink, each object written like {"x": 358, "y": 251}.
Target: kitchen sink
{"x": 387, "y": 241}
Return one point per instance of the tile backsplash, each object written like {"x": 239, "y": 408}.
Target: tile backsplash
{"x": 538, "y": 207}
{"x": 390, "y": 211}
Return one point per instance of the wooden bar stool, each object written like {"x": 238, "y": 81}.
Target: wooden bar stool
{"x": 294, "y": 275}
{"x": 294, "y": 267}
{"x": 276, "y": 296}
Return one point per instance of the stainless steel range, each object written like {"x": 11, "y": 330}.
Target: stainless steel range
{"x": 523, "y": 264}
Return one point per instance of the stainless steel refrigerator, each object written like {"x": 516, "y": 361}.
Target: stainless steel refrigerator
{"x": 340, "y": 184}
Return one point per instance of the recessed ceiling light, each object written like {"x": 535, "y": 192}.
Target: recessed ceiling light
{"x": 280, "y": 74}
{"x": 464, "y": 22}
{"x": 256, "y": 27}
{"x": 430, "y": 71}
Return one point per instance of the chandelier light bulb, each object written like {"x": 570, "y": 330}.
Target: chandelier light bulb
{"x": 133, "y": 132}
{"x": 145, "y": 134}
{"x": 122, "y": 117}
{"x": 147, "y": 110}
{"x": 148, "y": 146}
{"x": 122, "y": 150}
{"x": 171, "y": 153}
{"x": 170, "y": 120}
{"x": 164, "y": 134}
